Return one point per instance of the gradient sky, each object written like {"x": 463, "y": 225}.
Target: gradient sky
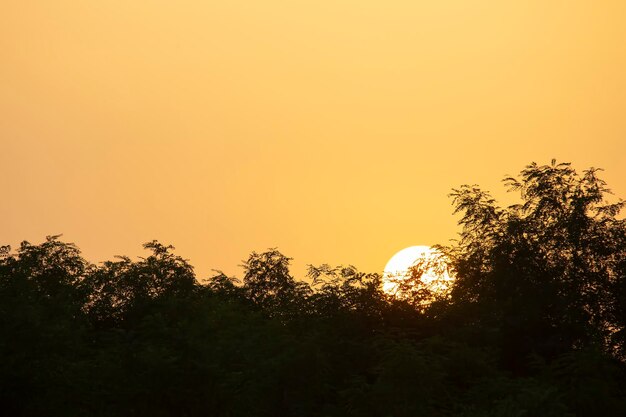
{"x": 333, "y": 130}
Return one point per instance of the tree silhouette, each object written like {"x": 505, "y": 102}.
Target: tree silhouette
{"x": 533, "y": 325}
{"x": 268, "y": 283}
{"x": 542, "y": 273}
{"x": 122, "y": 288}
{"x": 42, "y": 326}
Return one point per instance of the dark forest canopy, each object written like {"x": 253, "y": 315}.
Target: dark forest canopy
{"x": 533, "y": 326}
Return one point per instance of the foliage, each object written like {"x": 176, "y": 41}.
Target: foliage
{"x": 542, "y": 273}
{"x": 533, "y": 325}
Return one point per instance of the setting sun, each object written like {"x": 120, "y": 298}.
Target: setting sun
{"x": 399, "y": 268}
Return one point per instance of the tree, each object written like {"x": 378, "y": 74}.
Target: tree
{"x": 344, "y": 289}
{"x": 541, "y": 274}
{"x": 268, "y": 283}
{"x": 42, "y": 326}
{"x": 123, "y": 288}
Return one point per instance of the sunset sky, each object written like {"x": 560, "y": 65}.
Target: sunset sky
{"x": 332, "y": 130}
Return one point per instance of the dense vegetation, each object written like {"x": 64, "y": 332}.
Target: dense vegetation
{"x": 534, "y": 325}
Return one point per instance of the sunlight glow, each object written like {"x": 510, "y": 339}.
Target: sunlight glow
{"x": 399, "y": 268}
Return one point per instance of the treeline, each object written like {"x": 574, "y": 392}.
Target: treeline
{"x": 533, "y": 325}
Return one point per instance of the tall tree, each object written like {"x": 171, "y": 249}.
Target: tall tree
{"x": 542, "y": 272}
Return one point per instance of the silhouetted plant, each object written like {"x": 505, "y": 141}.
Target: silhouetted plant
{"x": 122, "y": 288}
{"x": 541, "y": 272}
{"x": 534, "y": 324}
{"x": 268, "y": 283}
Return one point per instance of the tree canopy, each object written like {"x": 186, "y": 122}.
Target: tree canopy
{"x": 545, "y": 271}
{"x": 533, "y": 324}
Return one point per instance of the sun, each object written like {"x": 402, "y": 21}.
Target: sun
{"x": 399, "y": 266}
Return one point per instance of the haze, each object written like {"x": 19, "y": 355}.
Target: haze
{"x": 333, "y": 130}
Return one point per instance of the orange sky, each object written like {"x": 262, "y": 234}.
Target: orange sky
{"x": 333, "y": 130}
